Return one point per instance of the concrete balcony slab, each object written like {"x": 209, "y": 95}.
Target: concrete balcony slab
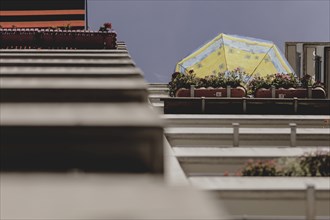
{"x": 89, "y": 137}
{"x": 65, "y": 89}
{"x": 155, "y": 98}
{"x": 269, "y": 196}
{"x": 217, "y": 161}
{"x": 64, "y": 55}
{"x": 101, "y": 196}
{"x": 249, "y": 121}
{"x": 55, "y": 51}
{"x": 161, "y": 91}
{"x": 248, "y": 137}
{"x": 68, "y": 62}
{"x": 81, "y": 72}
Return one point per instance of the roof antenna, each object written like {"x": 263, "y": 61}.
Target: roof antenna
{"x": 86, "y": 15}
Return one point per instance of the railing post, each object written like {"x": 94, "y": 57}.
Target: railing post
{"x": 310, "y": 202}
{"x": 295, "y": 104}
{"x": 244, "y": 104}
{"x": 203, "y": 104}
{"x": 228, "y": 91}
{"x": 309, "y": 92}
{"x": 272, "y": 89}
{"x": 235, "y": 134}
{"x": 192, "y": 90}
{"x": 293, "y": 134}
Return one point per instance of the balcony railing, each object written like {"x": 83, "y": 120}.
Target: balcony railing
{"x": 57, "y": 39}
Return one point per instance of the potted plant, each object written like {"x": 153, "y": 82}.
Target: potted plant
{"x": 224, "y": 84}
{"x": 285, "y": 86}
{"x": 310, "y": 164}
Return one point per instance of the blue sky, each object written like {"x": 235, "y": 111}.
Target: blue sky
{"x": 159, "y": 33}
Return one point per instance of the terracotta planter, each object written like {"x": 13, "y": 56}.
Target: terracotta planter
{"x": 212, "y": 92}
{"x": 317, "y": 92}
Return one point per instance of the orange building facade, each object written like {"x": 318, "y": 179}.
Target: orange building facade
{"x": 43, "y": 14}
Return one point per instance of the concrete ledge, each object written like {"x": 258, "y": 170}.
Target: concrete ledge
{"x": 55, "y": 89}
{"x": 251, "y": 137}
{"x": 268, "y": 196}
{"x": 158, "y": 85}
{"x": 64, "y": 55}
{"x": 68, "y": 62}
{"x": 262, "y": 183}
{"x": 55, "y": 51}
{"x": 174, "y": 174}
{"x": 60, "y": 137}
{"x": 216, "y": 161}
{"x": 252, "y": 121}
{"x": 101, "y": 196}
{"x": 156, "y": 98}
{"x": 71, "y": 72}
{"x": 195, "y": 153}
{"x": 161, "y": 91}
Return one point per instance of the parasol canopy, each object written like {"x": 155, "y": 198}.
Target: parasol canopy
{"x": 229, "y": 52}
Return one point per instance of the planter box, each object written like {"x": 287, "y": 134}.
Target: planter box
{"x": 317, "y": 92}
{"x": 212, "y": 92}
{"x": 57, "y": 39}
{"x": 218, "y": 105}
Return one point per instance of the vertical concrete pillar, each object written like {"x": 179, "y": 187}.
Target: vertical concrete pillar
{"x": 295, "y": 104}
{"x": 309, "y": 92}
{"x": 228, "y": 91}
{"x": 235, "y": 134}
{"x": 244, "y": 104}
{"x": 192, "y": 90}
{"x": 293, "y": 134}
{"x": 272, "y": 89}
{"x": 203, "y": 104}
{"x": 310, "y": 202}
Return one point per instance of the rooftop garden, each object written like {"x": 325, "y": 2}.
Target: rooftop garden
{"x": 316, "y": 164}
{"x": 286, "y": 85}
{"x": 62, "y": 37}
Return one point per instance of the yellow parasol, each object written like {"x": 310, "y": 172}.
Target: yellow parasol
{"x": 228, "y": 52}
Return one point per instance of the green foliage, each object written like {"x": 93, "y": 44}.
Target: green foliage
{"x": 106, "y": 27}
{"x": 285, "y": 81}
{"x": 180, "y": 80}
{"x": 232, "y": 78}
{"x": 289, "y": 167}
{"x": 311, "y": 164}
{"x": 315, "y": 164}
{"x": 280, "y": 80}
{"x": 215, "y": 81}
{"x": 237, "y": 78}
{"x": 259, "y": 82}
{"x": 259, "y": 168}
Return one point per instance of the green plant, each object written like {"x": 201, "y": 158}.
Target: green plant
{"x": 279, "y": 80}
{"x": 259, "y": 168}
{"x": 180, "y": 80}
{"x": 311, "y": 164}
{"x": 306, "y": 81}
{"x": 288, "y": 166}
{"x": 285, "y": 81}
{"x": 259, "y": 82}
{"x": 233, "y": 78}
{"x": 215, "y": 81}
{"x": 316, "y": 163}
{"x": 106, "y": 27}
